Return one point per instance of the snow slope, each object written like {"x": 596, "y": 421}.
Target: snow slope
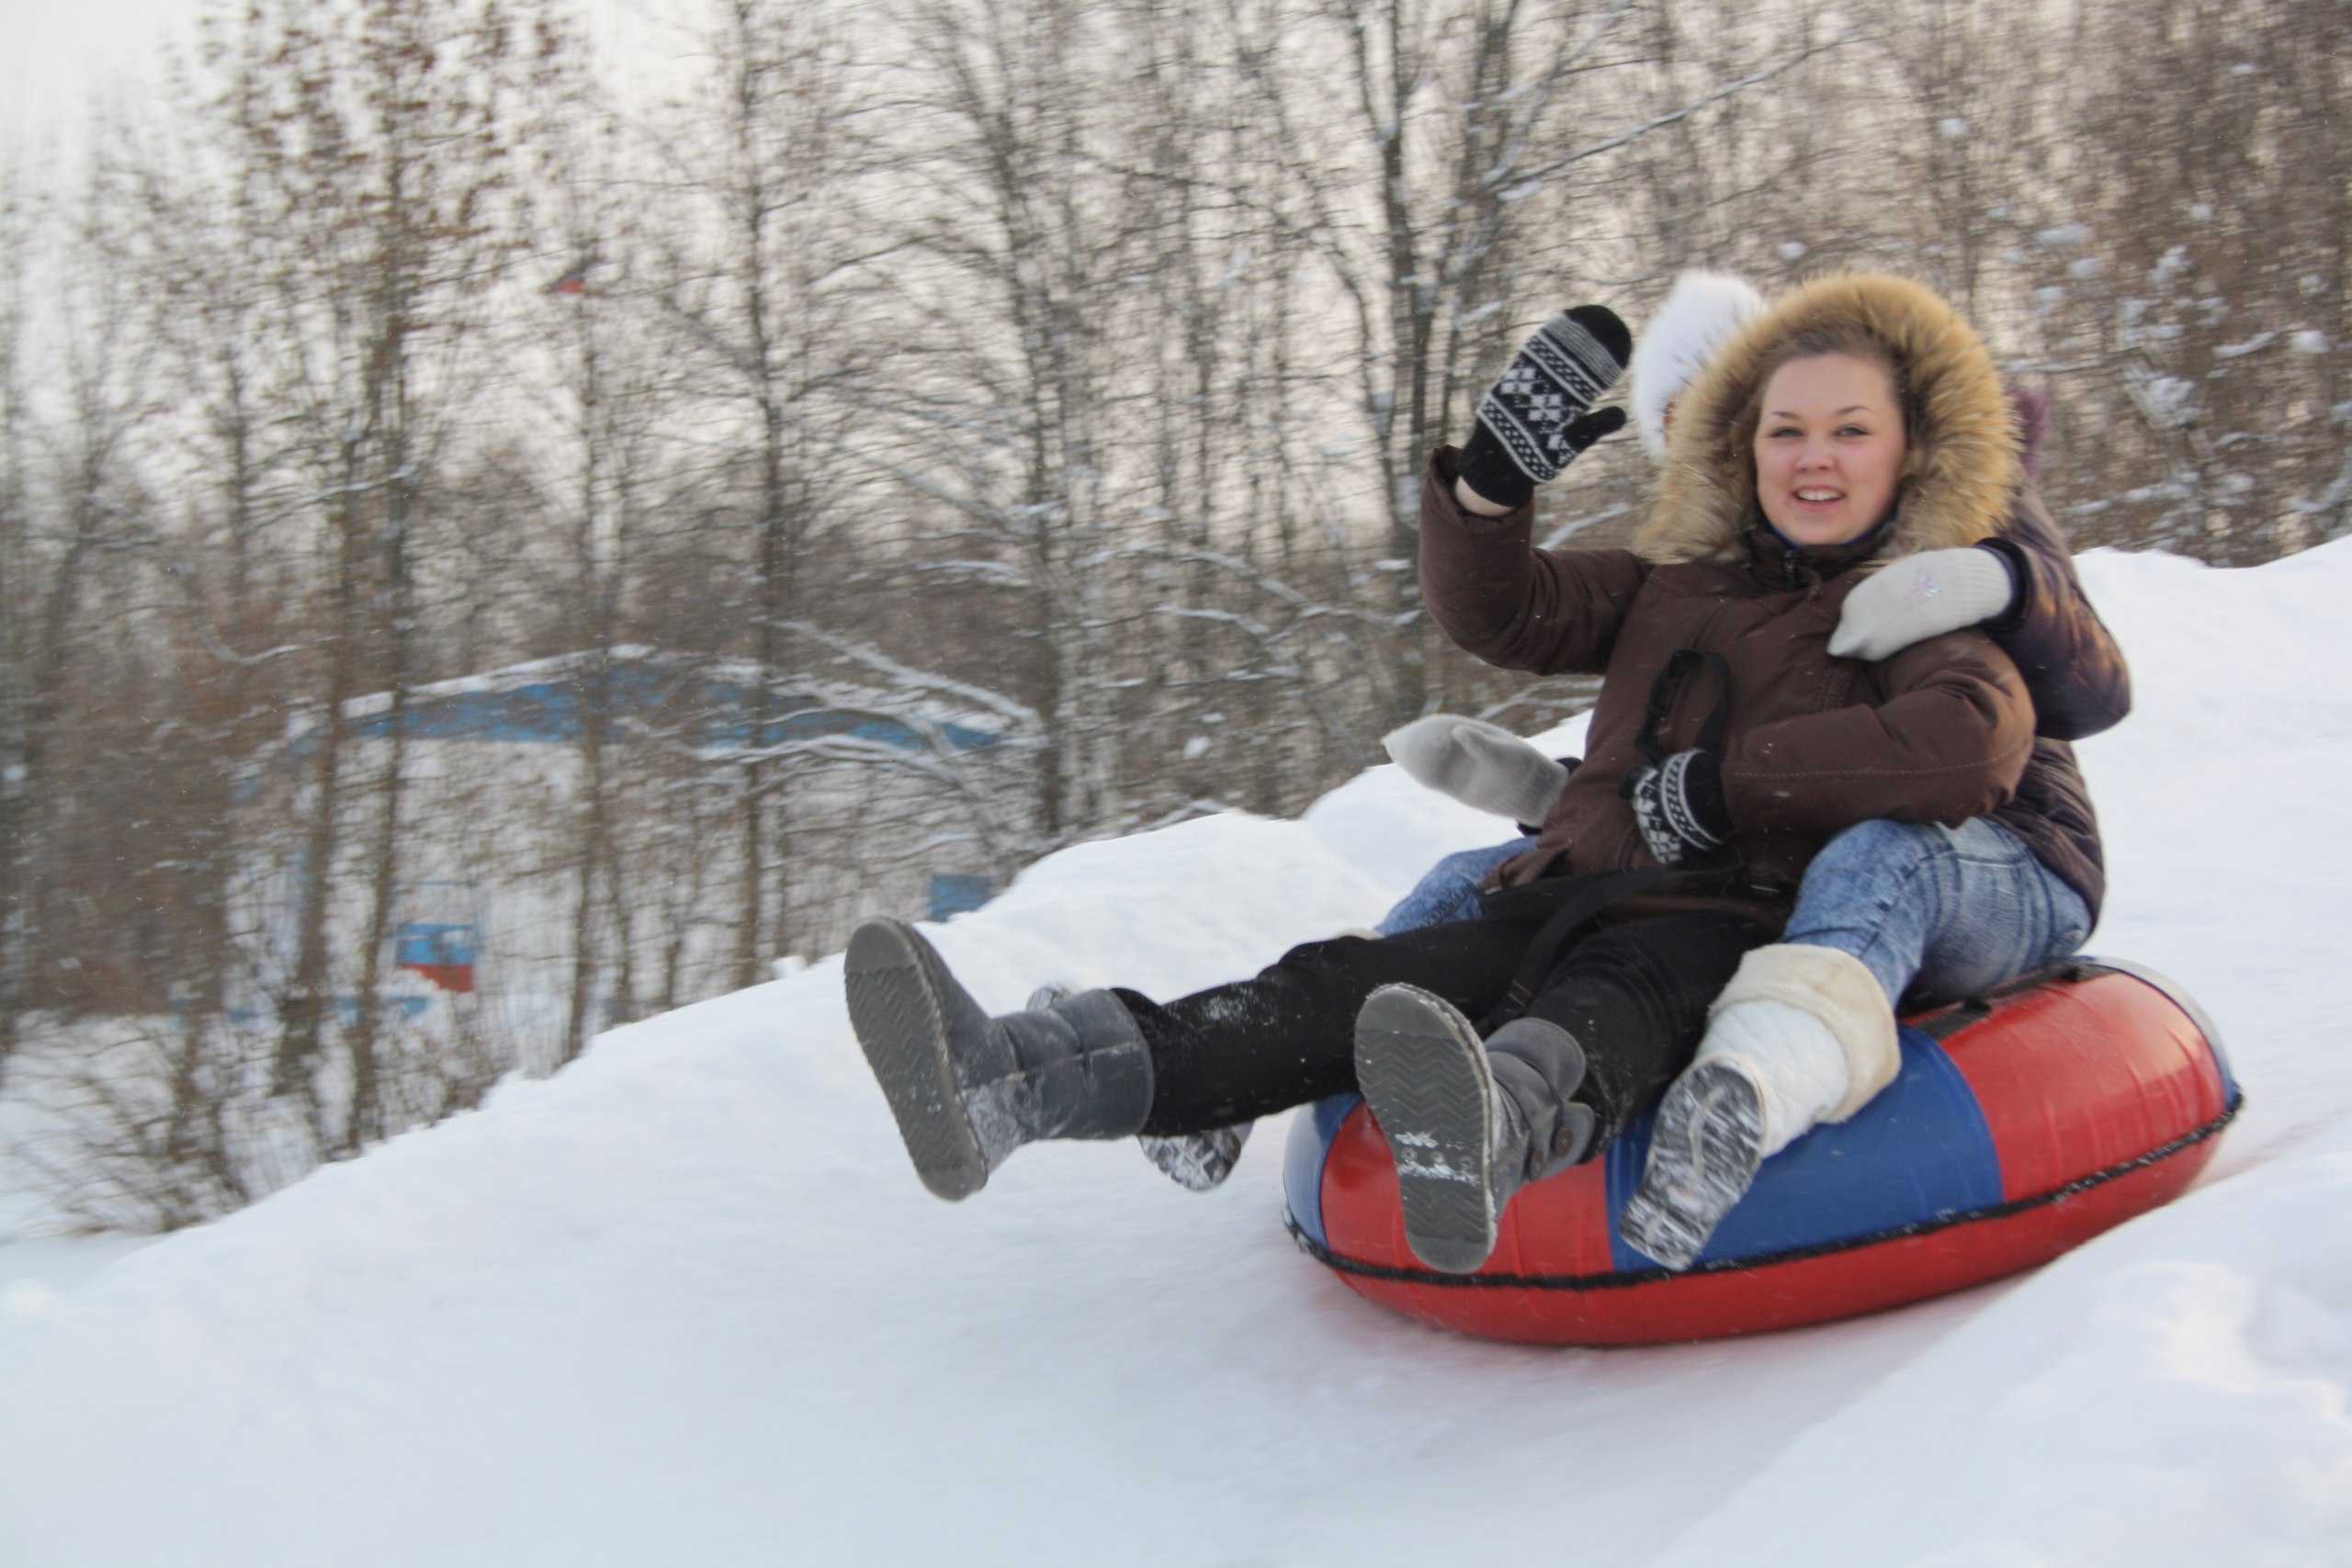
{"x": 684, "y": 1304}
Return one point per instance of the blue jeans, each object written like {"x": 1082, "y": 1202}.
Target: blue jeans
{"x": 1936, "y": 911}
{"x": 1450, "y": 889}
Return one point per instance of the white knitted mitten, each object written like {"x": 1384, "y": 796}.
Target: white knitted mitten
{"x": 1916, "y": 597}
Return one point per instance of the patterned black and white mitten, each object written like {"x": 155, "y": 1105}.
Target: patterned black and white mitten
{"x": 1678, "y": 806}
{"x": 1533, "y": 421}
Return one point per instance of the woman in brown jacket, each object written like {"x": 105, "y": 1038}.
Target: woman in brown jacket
{"x": 1726, "y": 746}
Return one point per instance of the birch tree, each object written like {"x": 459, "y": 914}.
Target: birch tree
{"x": 610, "y": 393}
{"x": 375, "y": 145}
{"x": 761, "y": 289}
{"x": 15, "y": 916}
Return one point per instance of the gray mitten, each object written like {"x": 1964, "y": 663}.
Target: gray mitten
{"x": 1916, "y": 597}
{"x": 1478, "y": 764}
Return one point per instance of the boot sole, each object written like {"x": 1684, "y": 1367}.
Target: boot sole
{"x": 894, "y": 988}
{"x": 1198, "y": 1162}
{"x": 1423, "y": 1072}
{"x": 1703, "y": 1155}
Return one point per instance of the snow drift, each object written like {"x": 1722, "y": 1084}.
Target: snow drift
{"x": 686, "y": 1303}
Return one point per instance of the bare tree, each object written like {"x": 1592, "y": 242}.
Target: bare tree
{"x": 373, "y": 146}
{"x": 15, "y": 916}
{"x": 2189, "y": 292}
{"x": 1019, "y": 267}
{"x": 613, "y": 391}
{"x": 89, "y": 509}
{"x": 760, "y": 287}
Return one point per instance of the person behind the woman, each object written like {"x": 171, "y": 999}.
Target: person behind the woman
{"x": 1726, "y": 746}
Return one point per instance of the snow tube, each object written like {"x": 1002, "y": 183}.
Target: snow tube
{"x": 2022, "y": 1124}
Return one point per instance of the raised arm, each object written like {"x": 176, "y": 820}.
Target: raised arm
{"x": 1552, "y": 612}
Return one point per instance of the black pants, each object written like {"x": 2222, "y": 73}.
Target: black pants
{"x": 1634, "y": 992}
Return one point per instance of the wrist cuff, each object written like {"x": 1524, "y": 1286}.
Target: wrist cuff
{"x": 1693, "y": 792}
{"x": 2012, "y": 561}
{"x": 1487, "y": 469}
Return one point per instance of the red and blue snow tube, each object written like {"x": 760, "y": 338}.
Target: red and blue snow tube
{"x": 2021, "y": 1124}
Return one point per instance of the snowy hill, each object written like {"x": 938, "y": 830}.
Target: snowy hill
{"x": 684, "y": 1302}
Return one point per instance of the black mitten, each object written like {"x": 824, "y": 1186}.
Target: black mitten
{"x": 1678, "y": 806}
{"x": 1534, "y": 420}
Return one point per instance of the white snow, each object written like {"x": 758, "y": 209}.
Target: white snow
{"x": 684, "y": 1304}
{"x": 2171, "y": 401}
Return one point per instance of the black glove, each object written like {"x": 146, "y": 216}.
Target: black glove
{"x": 1533, "y": 421}
{"x": 1679, "y": 805}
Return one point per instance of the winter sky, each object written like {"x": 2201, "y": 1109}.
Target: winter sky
{"x": 60, "y": 60}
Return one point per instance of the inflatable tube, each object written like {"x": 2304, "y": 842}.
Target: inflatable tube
{"x": 2021, "y": 1124}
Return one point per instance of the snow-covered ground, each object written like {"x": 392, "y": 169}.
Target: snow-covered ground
{"x": 684, "y": 1304}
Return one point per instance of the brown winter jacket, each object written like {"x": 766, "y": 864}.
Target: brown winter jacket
{"x": 2077, "y": 674}
{"x": 1942, "y": 731}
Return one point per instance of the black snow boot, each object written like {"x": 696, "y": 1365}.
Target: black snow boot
{"x": 967, "y": 1089}
{"x": 1468, "y": 1123}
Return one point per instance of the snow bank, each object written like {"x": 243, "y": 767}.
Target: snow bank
{"x": 684, "y": 1302}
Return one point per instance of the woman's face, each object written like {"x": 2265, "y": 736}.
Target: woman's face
{"x": 1829, "y": 448}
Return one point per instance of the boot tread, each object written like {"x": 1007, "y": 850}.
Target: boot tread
{"x": 1423, "y": 1070}
{"x": 897, "y": 1011}
{"x": 1703, "y": 1153}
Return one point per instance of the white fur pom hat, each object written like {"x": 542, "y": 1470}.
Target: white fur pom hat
{"x": 1698, "y": 318}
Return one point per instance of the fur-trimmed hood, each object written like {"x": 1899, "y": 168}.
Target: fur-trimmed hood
{"x": 1959, "y": 476}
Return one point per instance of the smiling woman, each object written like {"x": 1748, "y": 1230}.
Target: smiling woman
{"x": 1830, "y": 446}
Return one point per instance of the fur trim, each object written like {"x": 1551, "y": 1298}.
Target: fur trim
{"x": 1838, "y": 990}
{"x": 1701, "y": 314}
{"x": 1959, "y": 476}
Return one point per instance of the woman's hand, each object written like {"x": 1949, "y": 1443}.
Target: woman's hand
{"x": 1478, "y": 764}
{"x": 1534, "y": 421}
{"x": 1919, "y": 596}
{"x": 1678, "y": 806}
